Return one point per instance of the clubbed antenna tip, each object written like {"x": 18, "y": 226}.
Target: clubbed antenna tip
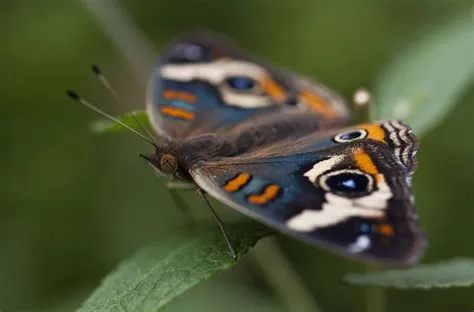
{"x": 96, "y": 70}
{"x": 73, "y": 95}
{"x": 144, "y": 157}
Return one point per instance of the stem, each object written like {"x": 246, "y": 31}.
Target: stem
{"x": 281, "y": 276}
{"x": 375, "y": 297}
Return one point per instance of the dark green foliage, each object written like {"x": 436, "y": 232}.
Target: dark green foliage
{"x": 153, "y": 277}
{"x": 446, "y": 274}
{"x": 76, "y": 204}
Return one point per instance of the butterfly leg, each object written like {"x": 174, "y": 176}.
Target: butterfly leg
{"x": 174, "y": 187}
{"x": 180, "y": 186}
{"x": 219, "y": 222}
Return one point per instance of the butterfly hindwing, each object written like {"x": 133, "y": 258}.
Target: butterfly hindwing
{"x": 203, "y": 83}
{"x": 347, "y": 189}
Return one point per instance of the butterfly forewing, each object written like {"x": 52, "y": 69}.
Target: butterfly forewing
{"x": 203, "y": 83}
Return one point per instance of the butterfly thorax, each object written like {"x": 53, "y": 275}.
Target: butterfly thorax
{"x": 203, "y": 148}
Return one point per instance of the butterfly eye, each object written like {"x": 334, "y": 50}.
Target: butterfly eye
{"x": 350, "y": 136}
{"x": 241, "y": 83}
{"x": 347, "y": 182}
{"x": 168, "y": 163}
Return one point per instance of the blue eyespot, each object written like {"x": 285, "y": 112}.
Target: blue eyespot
{"x": 348, "y": 182}
{"x": 350, "y": 136}
{"x": 241, "y": 83}
{"x": 364, "y": 228}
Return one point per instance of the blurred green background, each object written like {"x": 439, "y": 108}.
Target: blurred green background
{"x": 75, "y": 204}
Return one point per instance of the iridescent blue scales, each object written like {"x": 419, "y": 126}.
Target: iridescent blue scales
{"x": 270, "y": 144}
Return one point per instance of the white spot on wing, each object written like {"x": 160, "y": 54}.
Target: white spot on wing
{"x": 336, "y": 210}
{"x": 393, "y": 134}
{"x": 215, "y": 73}
{"x": 398, "y": 125}
{"x": 245, "y": 100}
{"x": 377, "y": 199}
{"x": 362, "y": 243}
{"x": 321, "y": 167}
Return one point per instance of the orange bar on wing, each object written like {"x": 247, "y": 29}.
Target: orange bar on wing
{"x": 238, "y": 182}
{"x": 317, "y": 103}
{"x": 365, "y": 163}
{"x": 270, "y": 193}
{"x": 375, "y": 132}
{"x": 176, "y": 112}
{"x": 179, "y": 95}
{"x": 273, "y": 89}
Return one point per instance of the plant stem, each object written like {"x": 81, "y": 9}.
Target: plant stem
{"x": 281, "y": 276}
{"x": 375, "y": 297}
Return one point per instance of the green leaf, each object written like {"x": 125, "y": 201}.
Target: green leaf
{"x": 452, "y": 273}
{"x": 106, "y": 126}
{"x": 428, "y": 78}
{"x": 229, "y": 295}
{"x": 156, "y": 275}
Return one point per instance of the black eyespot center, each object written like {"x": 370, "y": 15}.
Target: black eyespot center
{"x": 351, "y": 183}
{"x": 241, "y": 83}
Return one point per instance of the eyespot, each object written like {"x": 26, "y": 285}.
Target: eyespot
{"x": 186, "y": 53}
{"x": 364, "y": 227}
{"x": 350, "y": 136}
{"x": 347, "y": 182}
{"x": 241, "y": 83}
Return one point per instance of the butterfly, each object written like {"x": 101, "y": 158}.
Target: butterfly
{"x": 277, "y": 147}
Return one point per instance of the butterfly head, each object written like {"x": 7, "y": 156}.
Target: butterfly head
{"x": 165, "y": 162}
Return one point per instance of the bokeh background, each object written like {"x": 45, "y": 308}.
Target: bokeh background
{"x": 75, "y": 204}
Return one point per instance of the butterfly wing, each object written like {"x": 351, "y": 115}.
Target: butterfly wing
{"x": 203, "y": 83}
{"x": 348, "y": 190}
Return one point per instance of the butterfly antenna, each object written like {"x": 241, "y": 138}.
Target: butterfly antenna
{"x": 76, "y": 97}
{"x": 100, "y": 75}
